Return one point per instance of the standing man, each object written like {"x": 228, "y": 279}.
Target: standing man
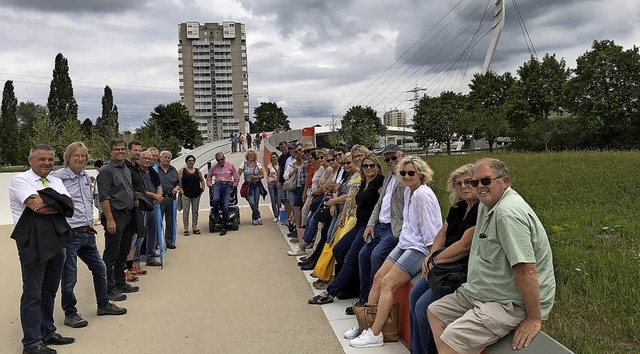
{"x": 222, "y": 177}
{"x": 83, "y": 244}
{"x": 153, "y": 190}
{"x": 136, "y": 226}
{"x": 248, "y": 139}
{"x": 98, "y": 166}
{"x": 510, "y": 284}
{"x": 41, "y": 265}
{"x": 116, "y": 197}
{"x": 384, "y": 226}
{"x": 169, "y": 181}
{"x": 282, "y": 162}
{"x": 234, "y": 143}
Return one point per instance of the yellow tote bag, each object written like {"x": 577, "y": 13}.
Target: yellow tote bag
{"x": 326, "y": 261}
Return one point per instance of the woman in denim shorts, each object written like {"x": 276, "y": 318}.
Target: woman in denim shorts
{"x": 422, "y": 221}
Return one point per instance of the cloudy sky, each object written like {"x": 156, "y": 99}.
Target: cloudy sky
{"x": 315, "y": 58}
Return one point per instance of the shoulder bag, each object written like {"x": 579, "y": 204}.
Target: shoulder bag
{"x": 445, "y": 278}
{"x": 291, "y": 183}
{"x": 366, "y": 315}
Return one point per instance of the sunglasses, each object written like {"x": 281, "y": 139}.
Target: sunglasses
{"x": 410, "y": 173}
{"x": 392, "y": 158}
{"x": 298, "y": 151}
{"x": 466, "y": 182}
{"x": 484, "y": 181}
{"x": 347, "y": 163}
{"x": 319, "y": 158}
{"x": 220, "y": 160}
{"x": 330, "y": 160}
{"x": 369, "y": 166}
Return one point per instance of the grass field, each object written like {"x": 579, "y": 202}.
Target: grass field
{"x": 588, "y": 202}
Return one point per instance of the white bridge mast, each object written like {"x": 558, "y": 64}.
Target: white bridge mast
{"x": 498, "y": 24}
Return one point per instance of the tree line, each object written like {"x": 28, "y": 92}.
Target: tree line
{"x": 546, "y": 105}
{"x": 24, "y": 124}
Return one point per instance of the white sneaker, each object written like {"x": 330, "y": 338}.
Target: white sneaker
{"x": 353, "y": 332}
{"x": 259, "y": 221}
{"x": 367, "y": 340}
{"x": 254, "y": 222}
{"x": 275, "y": 219}
{"x": 296, "y": 252}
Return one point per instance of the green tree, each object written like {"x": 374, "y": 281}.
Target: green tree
{"x": 485, "y": 115}
{"x": 538, "y": 93}
{"x": 604, "y": 94}
{"x": 87, "y": 129}
{"x": 167, "y": 122}
{"x": 61, "y": 103}
{"x": 106, "y": 127}
{"x": 270, "y": 117}
{"x": 43, "y": 132}
{"x": 28, "y": 113}
{"x": 361, "y": 125}
{"x": 70, "y": 133}
{"x": 438, "y": 118}
{"x": 9, "y": 142}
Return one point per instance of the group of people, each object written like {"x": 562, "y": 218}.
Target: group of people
{"x": 53, "y": 214}
{"x": 382, "y": 231}
{"x": 238, "y": 141}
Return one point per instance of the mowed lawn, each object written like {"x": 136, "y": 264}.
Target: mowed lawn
{"x": 589, "y": 204}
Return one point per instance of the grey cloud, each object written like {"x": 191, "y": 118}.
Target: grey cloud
{"x": 75, "y": 6}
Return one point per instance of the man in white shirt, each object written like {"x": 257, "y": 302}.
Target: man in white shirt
{"x": 40, "y": 277}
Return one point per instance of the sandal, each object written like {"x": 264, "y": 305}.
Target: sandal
{"x": 186, "y": 233}
{"x": 320, "y": 300}
{"x": 196, "y": 232}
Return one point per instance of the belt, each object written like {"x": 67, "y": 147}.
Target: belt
{"x": 84, "y": 229}
{"x": 223, "y": 182}
{"x": 168, "y": 196}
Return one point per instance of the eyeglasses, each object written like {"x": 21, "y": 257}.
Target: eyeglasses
{"x": 410, "y": 173}
{"x": 330, "y": 160}
{"x": 369, "y": 166}
{"x": 467, "y": 182}
{"x": 118, "y": 149}
{"x": 219, "y": 160}
{"x": 484, "y": 181}
{"x": 392, "y": 158}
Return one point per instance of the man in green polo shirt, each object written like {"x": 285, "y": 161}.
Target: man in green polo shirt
{"x": 510, "y": 283}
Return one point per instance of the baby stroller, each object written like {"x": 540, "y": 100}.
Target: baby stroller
{"x": 215, "y": 215}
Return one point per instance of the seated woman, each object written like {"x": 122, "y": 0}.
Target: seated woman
{"x": 422, "y": 220}
{"x": 456, "y": 235}
{"x": 350, "y": 245}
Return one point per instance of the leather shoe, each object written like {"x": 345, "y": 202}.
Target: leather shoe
{"x": 126, "y": 288}
{"x": 57, "y": 339}
{"x": 303, "y": 262}
{"x": 38, "y": 349}
{"x": 171, "y": 246}
{"x": 223, "y": 232}
{"x": 308, "y": 266}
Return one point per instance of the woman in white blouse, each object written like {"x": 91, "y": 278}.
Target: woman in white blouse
{"x": 422, "y": 220}
{"x": 273, "y": 187}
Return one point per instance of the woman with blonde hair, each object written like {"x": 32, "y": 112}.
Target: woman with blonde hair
{"x": 456, "y": 235}
{"x": 253, "y": 175}
{"x": 422, "y": 220}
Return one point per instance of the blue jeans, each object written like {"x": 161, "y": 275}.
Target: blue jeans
{"x": 353, "y": 239}
{"x": 380, "y": 231}
{"x": 310, "y": 230}
{"x": 387, "y": 242}
{"x": 151, "y": 226}
{"x": 253, "y": 197}
{"x": 274, "y": 195}
{"x": 420, "y": 297}
{"x": 220, "y": 198}
{"x": 39, "y": 287}
{"x": 83, "y": 245}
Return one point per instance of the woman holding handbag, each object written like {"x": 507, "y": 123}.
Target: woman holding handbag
{"x": 456, "y": 235}
{"x": 422, "y": 220}
{"x": 253, "y": 175}
{"x": 192, "y": 184}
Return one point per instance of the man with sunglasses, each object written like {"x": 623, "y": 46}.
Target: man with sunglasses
{"x": 384, "y": 226}
{"x": 222, "y": 177}
{"x": 510, "y": 284}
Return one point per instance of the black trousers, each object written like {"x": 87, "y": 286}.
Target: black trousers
{"x": 117, "y": 247}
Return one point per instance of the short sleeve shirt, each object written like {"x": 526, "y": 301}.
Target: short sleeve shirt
{"x": 508, "y": 234}
{"x": 25, "y": 184}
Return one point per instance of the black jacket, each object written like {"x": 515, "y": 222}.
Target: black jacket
{"x": 40, "y": 237}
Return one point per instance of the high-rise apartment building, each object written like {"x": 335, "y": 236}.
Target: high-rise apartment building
{"x": 212, "y": 67}
{"x": 395, "y": 118}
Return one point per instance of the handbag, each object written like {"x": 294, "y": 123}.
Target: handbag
{"x": 445, "y": 278}
{"x": 326, "y": 262}
{"x": 244, "y": 190}
{"x": 291, "y": 183}
{"x": 366, "y": 315}
{"x": 323, "y": 214}
{"x": 316, "y": 201}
